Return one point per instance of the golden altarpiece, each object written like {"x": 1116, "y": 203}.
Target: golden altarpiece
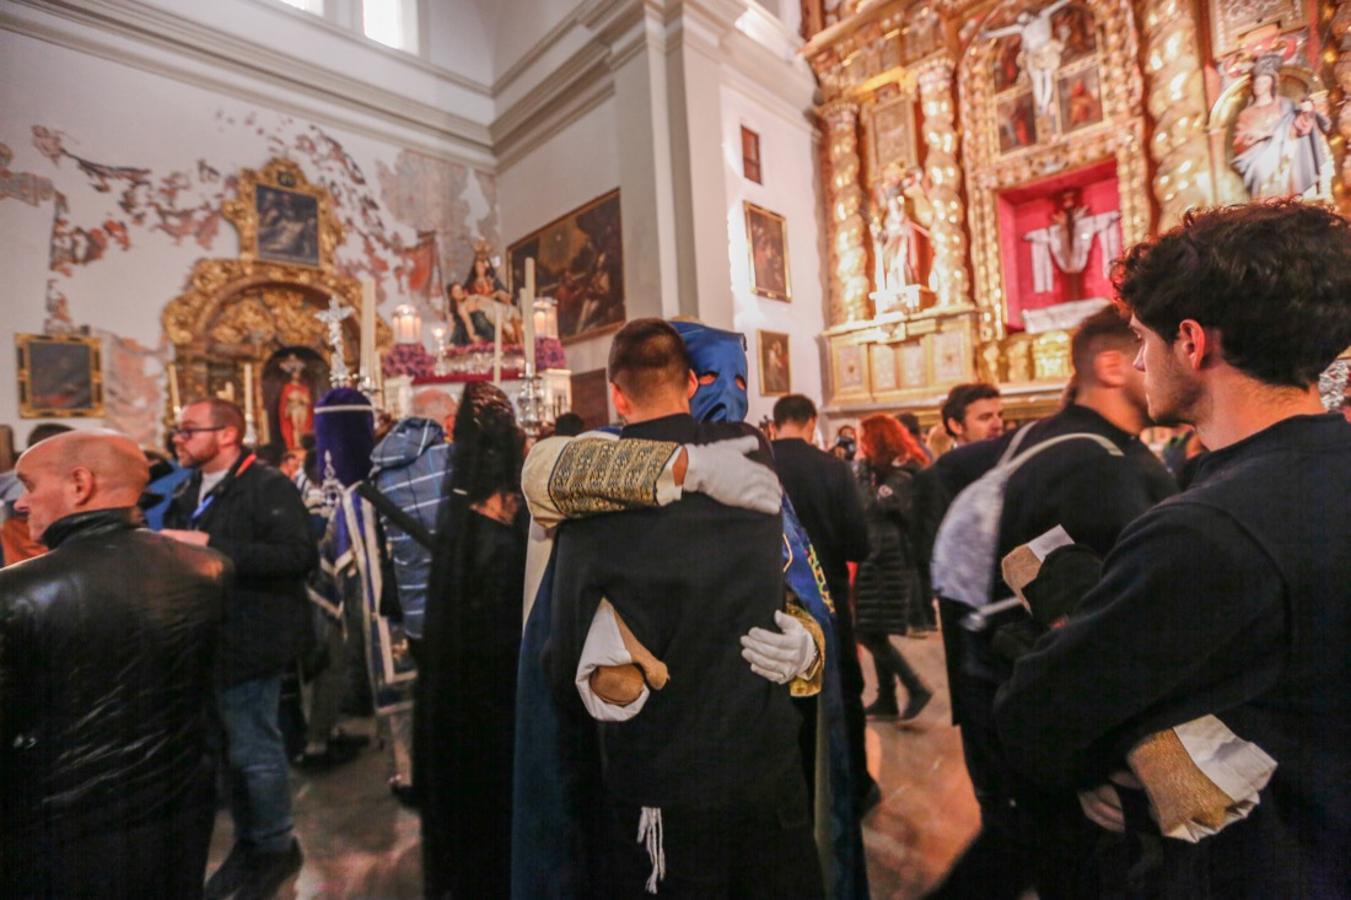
{"x": 985, "y": 163}
{"x": 246, "y": 328}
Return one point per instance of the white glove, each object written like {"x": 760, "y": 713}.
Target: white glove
{"x": 779, "y": 657}
{"x": 722, "y": 472}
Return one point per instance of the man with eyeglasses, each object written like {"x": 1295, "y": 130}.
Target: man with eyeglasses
{"x": 254, "y": 515}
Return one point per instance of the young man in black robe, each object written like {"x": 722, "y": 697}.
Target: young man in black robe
{"x": 704, "y": 770}
{"x": 1233, "y": 598}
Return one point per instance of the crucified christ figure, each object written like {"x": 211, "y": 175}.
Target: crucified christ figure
{"x": 1041, "y": 50}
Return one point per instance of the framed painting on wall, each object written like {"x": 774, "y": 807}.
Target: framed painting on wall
{"x": 892, "y": 127}
{"x": 288, "y": 226}
{"x": 767, "y": 244}
{"x": 579, "y": 261}
{"x": 60, "y": 376}
{"x": 750, "y": 155}
{"x": 775, "y": 376}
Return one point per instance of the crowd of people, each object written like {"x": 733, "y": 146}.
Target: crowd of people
{"x": 624, "y": 662}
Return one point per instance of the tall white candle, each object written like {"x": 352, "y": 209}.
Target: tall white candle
{"x": 528, "y": 316}
{"x": 173, "y": 390}
{"x": 528, "y": 330}
{"x": 248, "y": 394}
{"x": 497, "y": 344}
{"x": 368, "y": 362}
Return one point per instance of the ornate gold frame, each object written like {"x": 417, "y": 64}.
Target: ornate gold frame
{"x": 760, "y": 335}
{"x": 24, "y": 364}
{"x": 1119, "y": 136}
{"x": 211, "y": 320}
{"x": 787, "y": 294}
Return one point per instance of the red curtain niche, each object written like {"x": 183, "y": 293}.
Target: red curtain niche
{"x": 1029, "y": 207}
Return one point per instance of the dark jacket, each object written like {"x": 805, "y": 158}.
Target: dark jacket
{"x": 106, "y": 678}
{"x": 828, "y": 506}
{"x": 1231, "y": 599}
{"x": 689, "y": 579}
{"x": 888, "y": 582}
{"x": 258, "y": 520}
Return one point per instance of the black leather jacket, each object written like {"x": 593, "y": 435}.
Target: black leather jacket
{"x": 107, "y": 648}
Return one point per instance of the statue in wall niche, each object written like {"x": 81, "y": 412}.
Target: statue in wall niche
{"x": 1280, "y": 148}
{"x": 893, "y": 228}
{"x": 295, "y": 404}
{"x": 1041, "y": 51}
{"x": 1066, "y": 242}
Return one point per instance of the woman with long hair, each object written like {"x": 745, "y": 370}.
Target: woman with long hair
{"x": 887, "y": 588}
{"x": 472, "y": 632}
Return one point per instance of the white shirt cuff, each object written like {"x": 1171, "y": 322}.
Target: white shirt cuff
{"x": 605, "y": 647}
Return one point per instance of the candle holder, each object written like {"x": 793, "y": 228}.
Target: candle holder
{"x": 530, "y": 403}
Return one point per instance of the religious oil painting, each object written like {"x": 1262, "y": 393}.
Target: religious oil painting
{"x": 775, "y": 376}
{"x": 1080, "y": 103}
{"x": 1017, "y": 122}
{"x": 884, "y": 367}
{"x": 893, "y": 134}
{"x": 288, "y": 226}
{"x": 579, "y": 262}
{"x": 767, "y": 237}
{"x": 59, "y": 375}
{"x": 1073, "y": 27}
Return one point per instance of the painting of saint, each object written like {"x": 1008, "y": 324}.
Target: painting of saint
{"x": 1279, "y": 145}
{"x": 1017, "y": 122}
{"x": 579, "y": 262}
{"x": 288, "y": 226}
{"x": 1080, "y": 104}
{"x": 59, "y": 376}
{"x": 1073, "y": 26}
{"x": 767, "y": 236}
{"x": 775, "y": 378}
{"x": 893, "y": 132}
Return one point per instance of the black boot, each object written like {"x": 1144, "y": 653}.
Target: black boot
{"x": 919, "y": 699}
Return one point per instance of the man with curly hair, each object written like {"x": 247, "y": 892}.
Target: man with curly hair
{"x": 1233, "y": 597}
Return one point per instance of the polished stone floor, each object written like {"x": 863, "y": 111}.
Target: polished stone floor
{"x": 359, "y": 842}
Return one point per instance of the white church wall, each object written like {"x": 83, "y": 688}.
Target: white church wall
{"x": 112, "y": 181}
{"x": 573, "y": 166}
{"x": 789, "y": 161}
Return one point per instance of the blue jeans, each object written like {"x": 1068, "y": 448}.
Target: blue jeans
{"x": 256, "y": 766}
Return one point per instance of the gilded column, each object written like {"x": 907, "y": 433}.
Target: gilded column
{"x": 1177, "y": 103}
{"x": 940, "y": 137}
{"x": 848, "y": 260}
{"x": 1340, "y": 46}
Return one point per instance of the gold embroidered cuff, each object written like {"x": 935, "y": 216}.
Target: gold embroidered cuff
{"x": 808, "y": 684}
{"x": 597, "y": 476}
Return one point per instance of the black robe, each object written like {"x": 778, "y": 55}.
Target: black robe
{"x": 472, "y": 636}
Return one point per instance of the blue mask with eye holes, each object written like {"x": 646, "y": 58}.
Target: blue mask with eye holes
{"x": 718, "y": 359}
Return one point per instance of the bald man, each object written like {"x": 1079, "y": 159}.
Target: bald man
{"x": 107, "y": 646}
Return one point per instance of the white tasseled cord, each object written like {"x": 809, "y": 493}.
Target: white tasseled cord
{"x": 650, "y": 834}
